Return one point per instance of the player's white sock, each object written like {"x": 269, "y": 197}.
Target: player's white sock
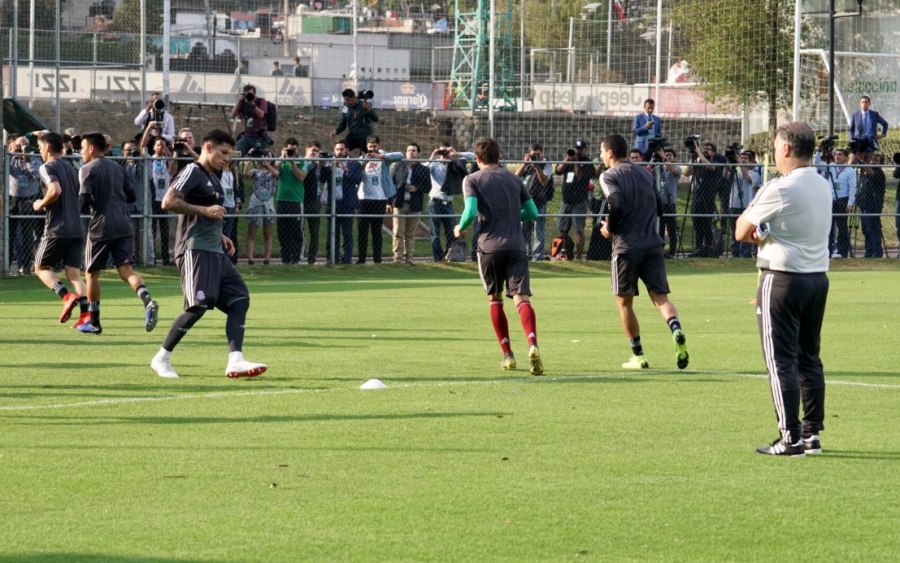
{"x": 235, "y": 357}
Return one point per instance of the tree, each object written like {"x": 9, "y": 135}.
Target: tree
{"x": 742, "y": 53}
{"x": 127, "y": 16}
{"x": 44, "y": 14}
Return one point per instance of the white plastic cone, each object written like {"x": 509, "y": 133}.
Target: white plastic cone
{"x": 373, "y": 384}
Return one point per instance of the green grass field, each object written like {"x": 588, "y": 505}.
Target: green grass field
{"x": 100, "y": 460}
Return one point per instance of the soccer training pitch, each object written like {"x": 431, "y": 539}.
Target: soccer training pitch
{"x": 101, "y": 460}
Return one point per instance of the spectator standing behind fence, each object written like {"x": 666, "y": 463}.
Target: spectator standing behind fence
{"x": 134, "y": 171}
{"x": 289, "y": 202}
{"x": 347, "y": 174}
{"x": 243, "y": 67}
{"x": 646, "y": 126}
{"x": 357, "y": 117}
{"x": 261, "y": 210}
{"x": 669, "y": 177}
{"x": 162, "y": 170}
{"x": 896, "y": 175}
{"x": 707, "y": 182}
{"x": 375, "y": 193}
{"x": 252, "y": 110}
{"x": 24, "y": 190}
{"x": 842, "y": 179}
{"x": 312, "y": 206}
{"x": 440, "y": 203}
{"x": 576, "y": 180}
{"x": 789, "y": 221}
{"x": 413, "y": 181}
{"x": 299, "y": 70}
{"x": 537, "y": 175}
{"x": 155, "y": 119}
{"x": 502, "y": 202}
{"x": 864, "y": 123}
{"x": 741, "y": 177}
{"x": 634, "y": 205}
{"x": 233, "y": 187}
{"x": 872, "y": 184}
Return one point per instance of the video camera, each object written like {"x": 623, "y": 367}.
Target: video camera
{"x": 324, "y": 154}
{"x": 255, "y": 153}
{"x": 179, "y": 145}
{"x": 732, "y": 151}
{"x": 862, "y": 145}
{"x": 827, "y": 143}
{"x": 366, "y": 95}
{"x": 159, "y": 105}
{"x": 691, "y": 142}
{"x": 656, "y": 144}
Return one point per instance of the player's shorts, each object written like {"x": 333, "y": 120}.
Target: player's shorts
{"x": 648, "y": 265}
{"x": 259, "y": 208}
{"x": 579, "y": 210}
{"x": 510, "y": 266}
{"x": 209, "y": 279}
{"x": 51, "y": 251}
{"x": 98, "y": 252}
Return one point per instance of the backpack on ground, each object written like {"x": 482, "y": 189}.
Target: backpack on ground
{"x": 456, "y": 171}
{"x": 457, "y": 251}
{"x": 271, "y": 116}
{"x": 562, "y": 248}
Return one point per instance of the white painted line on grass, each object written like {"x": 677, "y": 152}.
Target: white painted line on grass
{"x": 444, "y": 383}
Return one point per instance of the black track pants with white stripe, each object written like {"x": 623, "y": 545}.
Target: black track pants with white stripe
{"x": 790, "y": 309}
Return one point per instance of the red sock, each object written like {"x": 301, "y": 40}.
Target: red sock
{"x": 501, "y": 327}
{"x": 529, "y": 323}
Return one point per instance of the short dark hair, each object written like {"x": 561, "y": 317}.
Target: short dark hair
{"x": 348, "y": 93}
{"x": 675, "y": 154}
{"x": 844, "y": 152}
{"x": 536, "y": 147}
{"x": 373, "y": 139}
{"x": 248, "y": 87}
{"x": 710, "y": 145}
{"x": 340, "y": 142}
{"x": 52, "y": 140}
{"x": 418, "y": 148}
{"x": 649, "y": 101}
{"x": 316, "y": 144}
{"x": 866, "y": 98}
{"x": 218, "y": 137}
{"x": 800, "y": 137}
{"x": 96, "y": 140}
{"x": 616, "y": 144}
{"x": 291, "y": 141}
{"x": 487, "y": 150}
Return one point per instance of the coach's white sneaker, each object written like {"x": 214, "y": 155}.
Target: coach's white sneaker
{"x": 239, "y": 367}
{"x": 163, "y": 367}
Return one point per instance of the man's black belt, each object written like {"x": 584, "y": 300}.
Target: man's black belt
{"x": 441, "y": 201}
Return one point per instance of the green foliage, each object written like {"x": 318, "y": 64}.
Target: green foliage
{"x": 127, "y": 16}
{"x": 44, "y": 14}
{"x": 743, "y": 54}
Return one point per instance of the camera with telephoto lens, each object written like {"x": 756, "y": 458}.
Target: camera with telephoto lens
{"x": 366, "y": 95}
{"x": 159, "y": 105}
{"x": 827, "y": 143}
{"x": 862, "y": 145}
{"x": 656, "y": 144}
{"x": 691, "y": 142}
{"x": 249, "y": 97}
{"x": 290, "y": 152}
{"x": 732, "y": 151}
{"x": 255, "y": 153}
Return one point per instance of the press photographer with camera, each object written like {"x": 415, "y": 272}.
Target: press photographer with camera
{"x": 261, "y": 209}
{"x": 707, "y": 182}
{"x": 347, "y": 174}
{"x": 896, "y": 159}
{"x": 289, "y": 201}
{"x": 448, "y": 171}
{"x": 842, "y": 179}
{"x": 577, "y": 171}
{"x": 870, "y": 198}
{"x": 24, "y": 190}
{"x": 134, "y": 172}
{"x": 183, "y": 149}
{"x": 253, "y": 111}
{"x": 154, "y": 116}
{"x": 742, "y": 178}
{"x": 162, "y": 171}
{"x": 537, "y": 175}
{"x": 668, "y": 193}
{"x": 357, "y": 117}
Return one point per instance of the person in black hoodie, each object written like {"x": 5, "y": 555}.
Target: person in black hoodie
{"x": 413, "y": 181}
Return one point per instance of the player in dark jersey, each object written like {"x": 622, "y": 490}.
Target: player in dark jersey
{"x": 208, "y": 278}
{"x": 106, "y": 193}
{"x": 634, "y": 206}
{"x": 63, "y": 239}
{"x": 501, "y": 200}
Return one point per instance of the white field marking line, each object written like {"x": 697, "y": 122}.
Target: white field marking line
{"x": 221, "y": 395}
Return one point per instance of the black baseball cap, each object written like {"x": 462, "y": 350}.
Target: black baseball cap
{"x": 580, "y": 144}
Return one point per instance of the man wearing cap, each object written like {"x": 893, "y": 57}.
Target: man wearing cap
{"x": 576, "y": 184}
{"x": 646, "y": 126}
{"x": 357, "y": 117}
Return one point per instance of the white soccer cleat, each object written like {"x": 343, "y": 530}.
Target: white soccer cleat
{"x": 243, "y": 368}
{"x": 163, "y": 368}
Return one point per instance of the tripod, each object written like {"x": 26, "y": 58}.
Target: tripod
{"x": 687, "y": 207}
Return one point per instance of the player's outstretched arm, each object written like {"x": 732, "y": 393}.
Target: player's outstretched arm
{"x": 529, "y": 211}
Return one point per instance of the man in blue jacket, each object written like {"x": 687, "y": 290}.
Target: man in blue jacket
{"x": 346, "y": 174}
{"x": 646, "y": 126}
{"x": 864, "y": 123}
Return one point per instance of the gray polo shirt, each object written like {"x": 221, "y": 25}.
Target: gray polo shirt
{"x": 797, "y": 209}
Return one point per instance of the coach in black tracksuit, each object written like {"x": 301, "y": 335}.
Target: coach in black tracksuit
{"x": 790, "y": 219}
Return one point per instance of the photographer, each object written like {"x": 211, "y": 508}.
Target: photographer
{"x": 134, "y": 171}
{"x": 24, "y": 190}
{"x": 184, "y": 150}
{"x": 413, "y": 181}
{"x": 357, "y": 117}
{"x": 289, "y": 201}
{"x": 708, "y": 181}
{"x": 252, "y": 110}
{"x": 872, "y": 184}
{"x": 668, "y": 192}
{"x": 742, "y": 178}
{"x": 162, "y": 171}
{"x": 347, "y": 176}
{"x": 896, "y": 175}
{"x": 536, "y": 173}
{"x": 312, "y": 205}
{"x": 154, "y": 116}
{"x": 575, "y": 188}
{"x": 842, "y": 180}
{"x": 261, "y": 210}
{"x": 445, "y": 160}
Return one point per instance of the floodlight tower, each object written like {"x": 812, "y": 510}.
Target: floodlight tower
{"x": 471, "y": 60}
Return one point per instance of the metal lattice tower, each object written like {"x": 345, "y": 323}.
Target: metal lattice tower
{"x": 471, "y": 58}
